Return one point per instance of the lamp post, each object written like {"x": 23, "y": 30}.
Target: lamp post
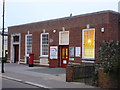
{"x": 2, "y": 71}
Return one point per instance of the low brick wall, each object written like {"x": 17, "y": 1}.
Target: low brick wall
{"x": 69, "y": 73}
{"x": 80, "y": 73}
{"x": 85, "y": 73}
{"x": 105, "y": 81}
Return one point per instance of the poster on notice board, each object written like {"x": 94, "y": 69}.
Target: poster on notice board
{"x": 53, "y": 52}
{"x": 77, "y": 51}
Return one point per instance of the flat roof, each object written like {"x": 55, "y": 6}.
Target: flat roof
{"x": 87, "y": 14}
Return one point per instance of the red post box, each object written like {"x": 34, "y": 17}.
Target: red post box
{"x": 31, "y": 59}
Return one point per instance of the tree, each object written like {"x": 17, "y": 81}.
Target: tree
{"x": 109, "y": 56}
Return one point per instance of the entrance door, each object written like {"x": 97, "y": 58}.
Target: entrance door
{"x": 16, "y": 53}
{"x": 64, "y": 56}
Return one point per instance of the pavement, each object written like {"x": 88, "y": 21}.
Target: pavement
{"x": 40, "y": 76}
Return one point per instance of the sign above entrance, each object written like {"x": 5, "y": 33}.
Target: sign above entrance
{"x": 53, "y": 52}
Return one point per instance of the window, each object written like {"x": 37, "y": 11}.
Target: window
{"x": 44, "y": 44}
{"x": 64, "y": 38}
{"x": 16, "y": 39}
{"x": 65, "y": 53}
{"x": 28, "y": 44}
{"x": 88, "y": 44}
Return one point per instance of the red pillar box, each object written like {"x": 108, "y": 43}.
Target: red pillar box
{"x": 31, "y": 59}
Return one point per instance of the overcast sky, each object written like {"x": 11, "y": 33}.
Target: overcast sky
{"x": 27, "y": 11}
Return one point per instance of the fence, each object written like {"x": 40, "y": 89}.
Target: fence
{"x": 80, "y": 73}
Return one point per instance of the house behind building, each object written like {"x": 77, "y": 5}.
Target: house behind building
{"x": 5, "y": 43}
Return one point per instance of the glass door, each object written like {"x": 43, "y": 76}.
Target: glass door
{"x": 64, "y": 56}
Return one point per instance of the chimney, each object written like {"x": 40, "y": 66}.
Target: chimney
{"x": 71, "y": 15}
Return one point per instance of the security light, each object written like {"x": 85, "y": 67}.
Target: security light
{"x": 88, "y": 26}
{"x": 63, "y": 28}
{"x": 102, "y": 30}
{"x": 54, "y": 31}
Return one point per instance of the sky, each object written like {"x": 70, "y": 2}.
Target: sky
{"x": 19, "y": 12}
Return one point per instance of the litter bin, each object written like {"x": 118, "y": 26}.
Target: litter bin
{"x": 31, "y": 59}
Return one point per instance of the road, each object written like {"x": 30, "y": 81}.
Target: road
{"x": 7, "y": 83}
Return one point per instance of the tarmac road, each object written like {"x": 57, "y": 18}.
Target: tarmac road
{"x": 7, "y": 83}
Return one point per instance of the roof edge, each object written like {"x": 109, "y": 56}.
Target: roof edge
{"x": 98, "y": 12}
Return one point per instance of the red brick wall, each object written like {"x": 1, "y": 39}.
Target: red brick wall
{"x": 36, "y": 44}
{"x": 76, "y": 21}
{"x": 22, "y": 46}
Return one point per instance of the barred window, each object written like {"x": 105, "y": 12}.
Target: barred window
{"x": 28, "y": 44}
{"x": 16, "y": 39}
{"x": 44, "y": 44}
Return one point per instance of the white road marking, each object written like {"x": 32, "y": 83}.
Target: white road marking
{"x": 26, "y": 82}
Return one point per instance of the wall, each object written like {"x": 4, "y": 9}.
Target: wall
{"x": 80, "y": 73}
{"x": 105, "y": 81}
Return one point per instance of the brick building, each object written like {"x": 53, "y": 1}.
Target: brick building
{"x": 59, "y": 41}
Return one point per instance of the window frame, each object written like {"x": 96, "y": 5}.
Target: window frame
{"x": 85, "y": 57}
{"x": 41, "y": 55}
{"x": 26, "y": 44}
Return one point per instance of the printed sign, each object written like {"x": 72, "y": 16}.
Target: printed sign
{"x": 53, "y": 52}
{"x": 71, "y": 51}
{"x": 72, "y": 59}
{"x": 77, "y": 51}
{"x": 64, "y": 62}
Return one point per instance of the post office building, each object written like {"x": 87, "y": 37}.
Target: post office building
{"x": 57, "y": 42}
